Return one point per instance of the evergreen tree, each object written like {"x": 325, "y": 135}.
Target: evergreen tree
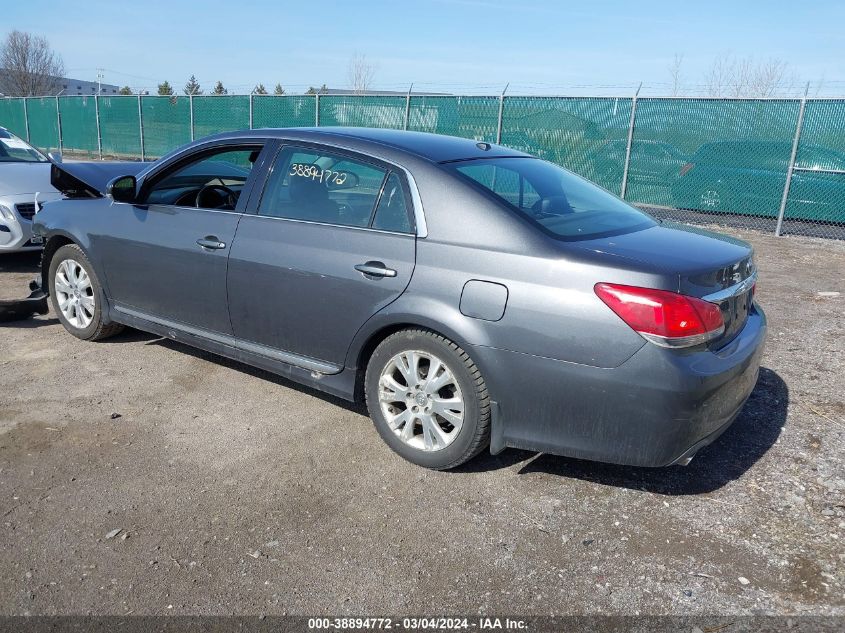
{"x": 165, "y": 89}
{"x": 219, "y": 89}
{"x": 126, "y": 90}
{"x": 278, "y": 90}
{"x": 259, "y": 90}
{"x": 192, "y": 87}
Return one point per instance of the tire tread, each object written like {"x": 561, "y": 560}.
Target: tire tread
{"x": 482, "y": 430}
{"x": 103, "y": 330}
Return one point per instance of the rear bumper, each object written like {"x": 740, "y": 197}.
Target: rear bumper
{"x": 656, "y": 409}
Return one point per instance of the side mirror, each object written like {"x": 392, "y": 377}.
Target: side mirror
{"x": 56, "y": 157}
{"x": 122, "y": 189}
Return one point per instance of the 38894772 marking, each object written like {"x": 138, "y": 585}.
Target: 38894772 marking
{"x": 416, "y": 624}
{"x": 314, "y": 172}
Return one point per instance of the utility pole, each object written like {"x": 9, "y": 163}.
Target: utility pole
{"x": 100, "y": 77}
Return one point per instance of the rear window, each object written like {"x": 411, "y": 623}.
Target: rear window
{"x": 562, "y": 204}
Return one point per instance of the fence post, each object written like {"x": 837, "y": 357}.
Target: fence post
{"x": 501, "y": 112}
{"x": 408, "y": 106}
{"x": 59, "y": 124}
{"x": 795, "y": 140}
{"x": 141, "y": 128}
{"x": 191, "y": 109}
{"x": 630, "y": 142}
{"x": 251, "y": 95}
{"x": 317, "y": 109}
{"x": 26, "y": 118}
{"x": 99, "y": 134}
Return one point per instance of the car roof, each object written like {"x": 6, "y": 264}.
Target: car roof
{"x": 434, "y": 147}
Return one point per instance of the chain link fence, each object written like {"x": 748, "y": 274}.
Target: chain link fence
{"x": 771, "y": 164}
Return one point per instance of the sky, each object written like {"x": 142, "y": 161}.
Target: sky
{"x": 601, "y": 47}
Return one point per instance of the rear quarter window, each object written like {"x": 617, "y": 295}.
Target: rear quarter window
{"x": 558, "y": 202}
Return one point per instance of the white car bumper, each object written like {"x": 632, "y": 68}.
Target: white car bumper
{"x": 16, "y": 221}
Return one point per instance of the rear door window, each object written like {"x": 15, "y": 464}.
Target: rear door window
{"x": 317, "y": 186}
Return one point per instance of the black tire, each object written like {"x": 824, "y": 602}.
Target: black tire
{"x": 474, "y": 434}
{"x": 97, "y": 329}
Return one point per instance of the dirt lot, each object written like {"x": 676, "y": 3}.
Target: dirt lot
{"x": 239, "y": 492}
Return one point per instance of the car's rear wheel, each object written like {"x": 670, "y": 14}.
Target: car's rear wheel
{"x": 77, "y": 296}
{"x": 427, "y": 399}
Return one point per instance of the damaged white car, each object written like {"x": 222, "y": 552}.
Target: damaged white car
{"x": 24, "y": 186}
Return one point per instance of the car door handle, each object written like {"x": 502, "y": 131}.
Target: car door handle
{"x": 375, "y": 269}
{"x": 210, "y": 242}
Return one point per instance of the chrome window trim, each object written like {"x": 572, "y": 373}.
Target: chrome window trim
{"x": 419, "y": 215}
{"x": 732, "y": 291}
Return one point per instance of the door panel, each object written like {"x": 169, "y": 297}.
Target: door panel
{"x": 293, "y": 285}
{"x": 167, "y": 257}
{"x": 152, "y": 262}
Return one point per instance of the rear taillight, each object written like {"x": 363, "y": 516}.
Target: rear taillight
{"x": 665, "y": 318}
{"x": 686, "y": 168}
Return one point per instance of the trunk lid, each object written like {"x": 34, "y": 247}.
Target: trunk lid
{"x": 707, "y": 265}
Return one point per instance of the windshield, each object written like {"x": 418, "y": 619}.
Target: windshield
{"x": 15, "y": 150}
{"x": 562, "y": 204}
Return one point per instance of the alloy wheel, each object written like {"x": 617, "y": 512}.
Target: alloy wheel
{"x": 421, "y": 400}
{"x": 74, "y": 293}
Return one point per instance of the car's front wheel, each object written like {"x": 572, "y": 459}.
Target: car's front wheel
{"x": 428, "y": 399}
{"x": 77, "y": 295}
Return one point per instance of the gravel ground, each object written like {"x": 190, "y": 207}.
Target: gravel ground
{"x": 238, "y": 492}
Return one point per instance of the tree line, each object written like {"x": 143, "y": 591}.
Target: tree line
{"x": 193, "y": 89}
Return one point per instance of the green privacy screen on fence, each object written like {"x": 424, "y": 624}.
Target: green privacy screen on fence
{"x": 79, "y": 124}
{"x": 388, "y": 112}
{"x": 815, "y": 194}
{"x": 283, "y": 111}
{"x": 120, "y": 128}
{"x": 470, "y": 117}
{"x": 13, "y": 116}
{"x": 712, "y": 157}
{"x": 700, "y": 154}
{"x": 214, "y": 114}
{"x": 167, "y": 124}
{"x": 588, "y": 136}
{"x": 43, "y": 116}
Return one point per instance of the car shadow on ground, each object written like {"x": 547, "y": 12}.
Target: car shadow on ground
{"x": 728, "y": 458}
{"x": 30, "y": 322}
{"x": 246, "y": 369}
{"x": 28, "y": 262}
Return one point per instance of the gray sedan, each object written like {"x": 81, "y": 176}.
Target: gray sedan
{"x": 474, "y": 296}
